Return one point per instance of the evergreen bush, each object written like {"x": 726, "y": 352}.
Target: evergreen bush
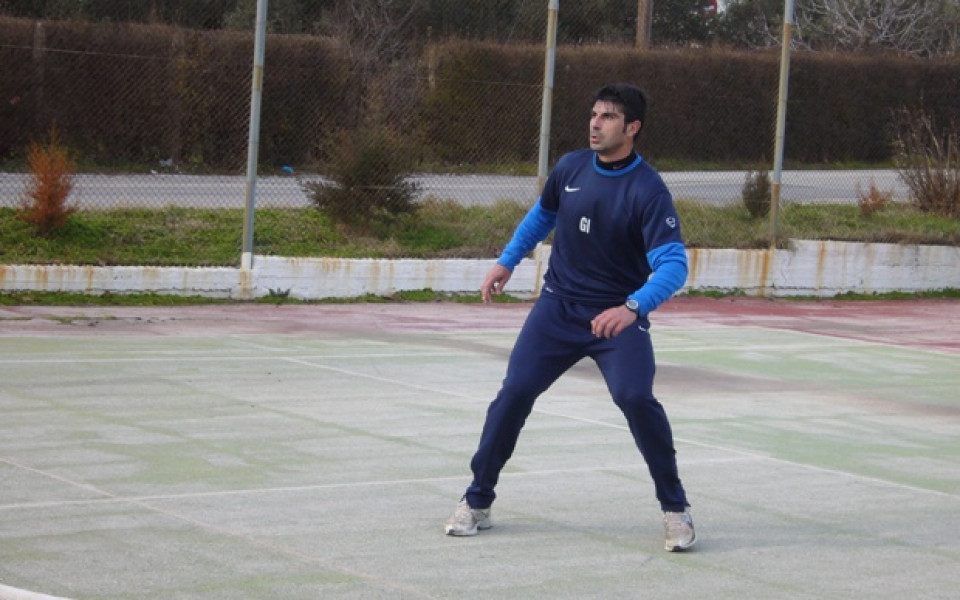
{"x": 757, "y": 193}
{"x": 366, "y": 183}
{"x": 44, "y": 204}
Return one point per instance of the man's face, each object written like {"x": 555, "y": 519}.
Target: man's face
{"x": 610, "y": 137}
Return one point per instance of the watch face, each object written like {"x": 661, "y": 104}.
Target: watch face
{"x": 633, "y": 305}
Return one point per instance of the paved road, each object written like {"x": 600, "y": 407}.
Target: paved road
{"x": 162, "y": 190}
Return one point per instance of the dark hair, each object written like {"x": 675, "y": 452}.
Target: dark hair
{"x": 629, "y": 98}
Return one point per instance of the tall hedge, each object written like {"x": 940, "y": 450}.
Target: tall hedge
{"x": 718, "y": 105}
{"x": 125, "y": 94}
{"x": 19, "y": 103}
{"x": 707, "y": 106}
{"x": 484, "y": 104}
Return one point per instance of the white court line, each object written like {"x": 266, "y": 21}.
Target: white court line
{"x": 304, "y": 361}
{"x": 835, "y": 342}
{"x": 12, "y": 593}
{"x": 764, "y": 457}
{"x": 371, "y": 578}
{"x": 184, "y": 357}
{"x": 109, "y": 498}
{"x": 738, "y": 451}
{"x": 665, "y": 346}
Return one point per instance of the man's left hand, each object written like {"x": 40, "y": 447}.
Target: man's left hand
{"x": 612, "y": 321}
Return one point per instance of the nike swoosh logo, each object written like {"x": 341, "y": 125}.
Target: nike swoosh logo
{"x": 567, "y": 188}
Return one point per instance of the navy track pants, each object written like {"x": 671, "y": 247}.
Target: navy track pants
{"x": 555, "y": 336}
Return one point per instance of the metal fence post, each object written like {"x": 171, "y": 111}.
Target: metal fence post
{"x": 256, "y": 94}
{"x": 781, "y": 121}
{"x": 39, "y": 60}
{"x": 553, "y": 7}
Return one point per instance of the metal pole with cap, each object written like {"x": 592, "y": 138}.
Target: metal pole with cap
{"x": 546, "y": 109}
{"x": 781, "y": 120}
{"x": 253, "y": 146}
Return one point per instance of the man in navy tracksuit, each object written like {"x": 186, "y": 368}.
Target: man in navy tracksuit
{"x": 617, "y": 255}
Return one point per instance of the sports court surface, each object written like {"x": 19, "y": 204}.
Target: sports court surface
{"x": 303, "y": 452}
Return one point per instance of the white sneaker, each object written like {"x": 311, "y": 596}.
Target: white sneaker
{"x": 466, "y": 520}
{"x": 678, "y": 528}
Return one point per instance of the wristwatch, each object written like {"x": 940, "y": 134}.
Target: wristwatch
{"x": 633, "y": 305}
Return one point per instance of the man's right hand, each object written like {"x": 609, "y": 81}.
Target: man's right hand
{"x": 497, "y": 277}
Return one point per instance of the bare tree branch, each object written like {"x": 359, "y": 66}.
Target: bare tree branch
{"x": 918, "y": 27}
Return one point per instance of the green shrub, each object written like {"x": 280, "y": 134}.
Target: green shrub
{"x": 928, "y": 161}
{"x": 873, "y": 200}
{"x": 757, "y": 193}
{"x": 366, "y": 183}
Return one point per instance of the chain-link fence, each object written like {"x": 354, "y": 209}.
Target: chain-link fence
{"x": 374, "y": 145}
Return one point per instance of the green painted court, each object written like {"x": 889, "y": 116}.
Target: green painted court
{"x": 314, "y": 451}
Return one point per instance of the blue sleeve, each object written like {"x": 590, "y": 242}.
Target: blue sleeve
{"x": 534, "y": 228}
{"x": 669, "y": 265}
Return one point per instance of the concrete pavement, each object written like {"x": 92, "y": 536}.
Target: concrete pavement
{"x": 256, "y": 451}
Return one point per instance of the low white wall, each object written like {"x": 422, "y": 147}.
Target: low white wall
{"x": 807, "y": 268}
{"x": 825, "y": 269}
{"x": 346, "y": 278}
{"x": 216, "y": 282}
